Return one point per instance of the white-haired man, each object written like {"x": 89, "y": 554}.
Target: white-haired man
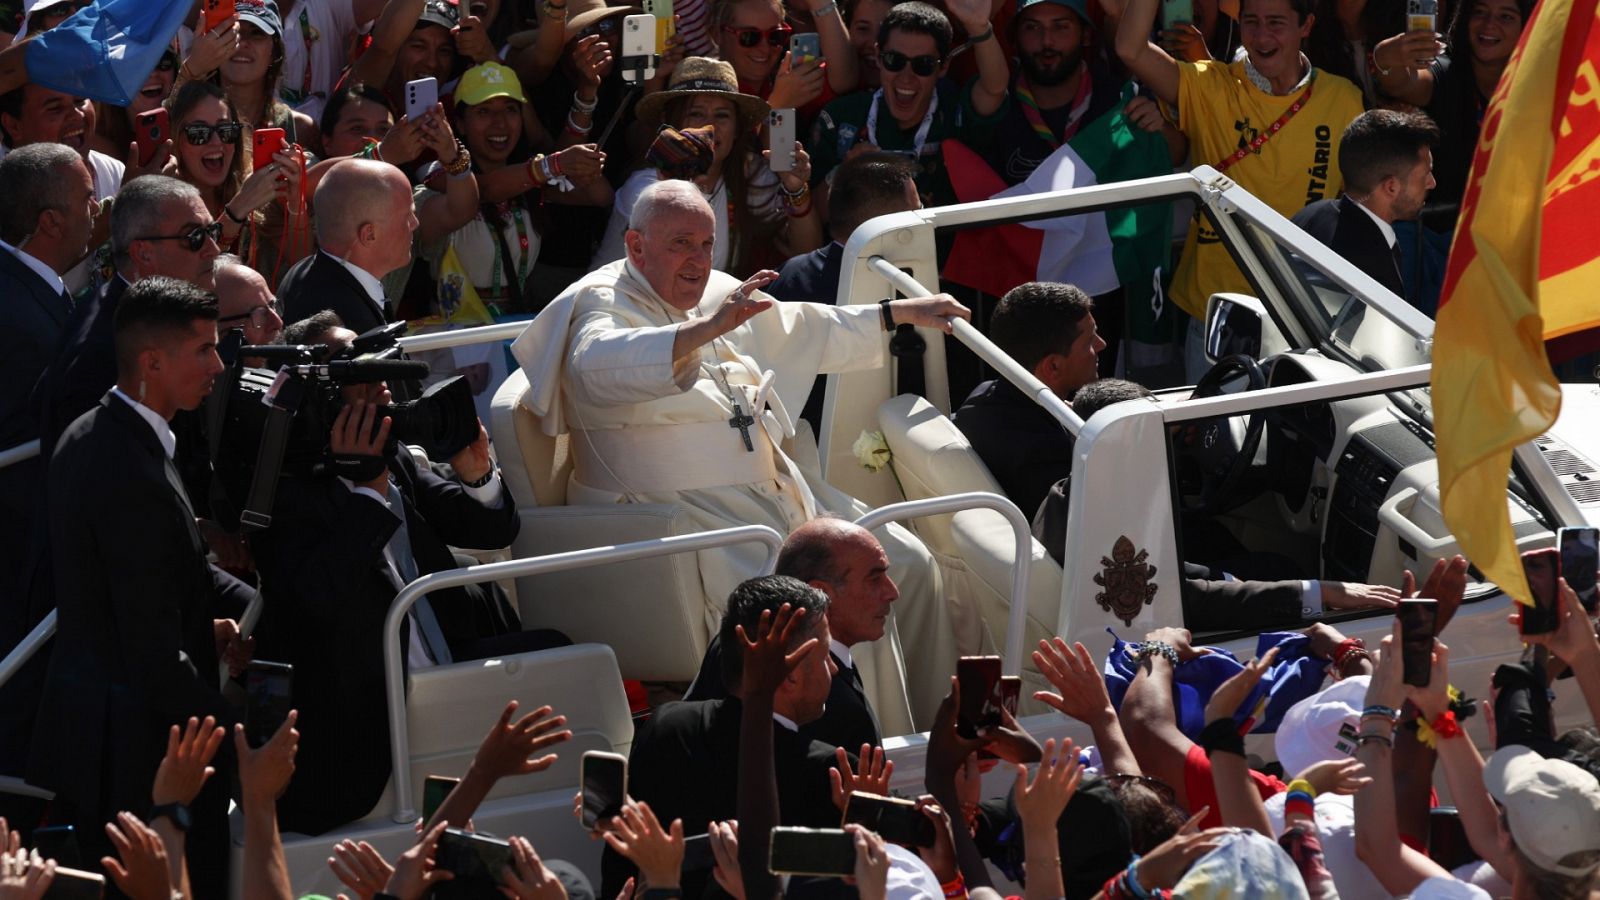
{"x": 677, "y": 383}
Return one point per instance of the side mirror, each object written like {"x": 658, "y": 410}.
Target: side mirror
{"x": 1233, "y": 325}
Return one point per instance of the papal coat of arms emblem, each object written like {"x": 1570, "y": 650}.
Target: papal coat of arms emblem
{"x": 1127, "y": 579}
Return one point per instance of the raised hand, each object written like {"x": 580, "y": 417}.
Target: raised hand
{"x": 1446, "y": 584}
{"x": 25, "y": 875}
{"x": 872, "y": 863}
{"x": 1574, "y": 638}
{"x": 140, "y": 867}
{"x": 1056, "y": 780}
{"x": 186, "y": 766}
{"x": 264, "y": 772}
{"x": 1181, "y": 641}
{"x": 591, "y": 59}
{"x": 739, "y": 306}
{"x": 947, "y": 750}
{"x": 414, "y": 871}
{"x": 509, "y": 747}
{"x": 796, "y": 85}
{"x": 1011, "y": 742}
{"x": 1336, "y": 776}
{"x": 941, "y": 857}
{"x": 527, "y": 878}
{"x": 360, "y": 867}
{"x": 581, "y": 163}
{"x": 1434, "y": 699}
{"x": 1165, "y": 865}
{"x": 766, "y": 664}
{"x": 211, "y": 49}
{"x": 972, "y": 14}
{"x": 1387, "y": 687}
{"x": 657, "y": 851}
{"x": 873, "y": 777}
{"x": 939, "y": 311}
{"x": 1228, "y": 697}
{"x": 403, "y": 143}
{"x": 725, "y": 849}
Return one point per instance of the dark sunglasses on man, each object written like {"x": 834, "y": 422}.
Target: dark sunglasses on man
{"x": 749, "y": 36}
{"x": 924, "y": 66}
{"x": 199, "y": 133}
{"x": 196, "y": 236}
{"x": 258, "y": 315}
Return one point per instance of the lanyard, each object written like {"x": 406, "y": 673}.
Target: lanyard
{"x": 1260, "y": 140}
{"x": 1080, "y": 105}
{"x": 520, "y": 217}
{"x": 921, "y": 137}
{"x": 290, "y": 95}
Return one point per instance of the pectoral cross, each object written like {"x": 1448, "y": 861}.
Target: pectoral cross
{"x": 742, "y": 422}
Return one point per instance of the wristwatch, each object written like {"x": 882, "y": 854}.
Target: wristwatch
{"x": 177, "y": 813}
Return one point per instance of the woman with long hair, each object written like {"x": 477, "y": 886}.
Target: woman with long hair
{"x": 1453, "y": 89}
{"x": 762, "y": 217}
{"x": 250, "y": 76}
{"x": 1344, "y": 35}
{"x": 214, "y": 156}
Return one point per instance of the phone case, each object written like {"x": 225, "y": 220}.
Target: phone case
{"x": 421, "y": 96}
{"x": 812, "y": 851}
{"x": 601, "y": 804}
{"x": 150, "y": 132}
{"x": 1176, "y": 12}
{"x": 263, "y": 144}
{"x": 805, "y": 48}
{"x": 1422, "y": 15}
{"x": 217, "y": 12}
{"x": 780, "y": 139}
{"x": 662, "y": 10}
{"x": 638, "y": 48}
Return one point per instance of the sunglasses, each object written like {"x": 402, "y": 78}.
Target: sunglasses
{"x": 924, "y": 66}
{"x": 258, "y": 315}
{"x": 748, "y": 36}
{"x": 196, "y": 236}
{"x": 1117, "y": 781}
{"x": 199, "y": 133}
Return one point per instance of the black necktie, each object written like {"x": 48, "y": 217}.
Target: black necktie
{"x": 67, "y": 302}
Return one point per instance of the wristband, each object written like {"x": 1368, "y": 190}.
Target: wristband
{"x": 988, "y": 34}
{"x": 480, "y": 482}
{"x": 1130, "y": 876}
{"x": 888, "y": 317}
{"x": 1343, "y": 650}
{"x": 1378, "y": 710}
{"x": 1300, "y": 784}
{"x": 826, "y": 9}
{"x": 580, "y": 106}
{"x": 955, "y": 888}
{"x": 1375, "y": 738}
{"x": 1443, "y": 727}
{"x": 1298, "y": 803}
{"x": 237, "y": 220}
{"x": 1222, "y": 736}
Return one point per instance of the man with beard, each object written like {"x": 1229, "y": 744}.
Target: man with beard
{"x": 1386, "y": 158}
{"x": 1060, "y": 88}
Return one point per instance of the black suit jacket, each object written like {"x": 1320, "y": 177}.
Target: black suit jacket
{"x": 327, "y": 594}
{"x": 847, "y": 720}
{"x": 1028, "y": 452}
{"x": 685, "y": 764}
{"x": 134, "y": 650}
{"x": 85, "y": 366}
{"x": 321, "y": 282}
{"x": 1351, "y": 233}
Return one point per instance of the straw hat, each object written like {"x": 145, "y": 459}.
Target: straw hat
{"x": 583, "y": 13}
{"x": 700, "y": 75}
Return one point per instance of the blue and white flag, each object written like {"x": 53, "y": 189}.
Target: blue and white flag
{"x": 106, "y": 50}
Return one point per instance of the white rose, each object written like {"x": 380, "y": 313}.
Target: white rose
{"x": 871, "y": 450}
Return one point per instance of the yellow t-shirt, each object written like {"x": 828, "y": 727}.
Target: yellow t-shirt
{"x": 1220, "y": 111}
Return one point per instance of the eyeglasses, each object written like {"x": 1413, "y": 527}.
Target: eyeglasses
{"x": 923, "y": 66}
{"x": 199, "y": 133}
{"x": 1117, "y": 781}
{"x": 259, "y": 316}
{"x": 748, "y": 36}
{"x": 196, "y": 236}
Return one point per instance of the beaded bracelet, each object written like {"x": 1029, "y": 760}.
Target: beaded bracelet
{"x": 1139, "y": 650}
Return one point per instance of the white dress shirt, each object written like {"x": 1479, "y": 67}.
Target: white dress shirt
{"x": 169, "y": 441}
{"x": 369, "y": 283}
{"x": 1385, "y": 227}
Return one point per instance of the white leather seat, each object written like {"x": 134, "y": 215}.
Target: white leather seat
{"x": 975, "y": 547}
{"x": 651, "y": 612}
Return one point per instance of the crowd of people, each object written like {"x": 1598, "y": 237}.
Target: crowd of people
{"x": 273, "y": 176}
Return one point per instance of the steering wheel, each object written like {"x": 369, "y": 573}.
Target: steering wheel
{"x": 1221, "y": 452}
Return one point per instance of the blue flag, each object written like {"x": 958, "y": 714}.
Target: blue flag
{"x": 106, "y": 50}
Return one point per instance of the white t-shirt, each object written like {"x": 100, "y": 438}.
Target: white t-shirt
{"x": 332, "y": 23}
{"x": 612, "y": 247}
{"x": 86, "y": 275}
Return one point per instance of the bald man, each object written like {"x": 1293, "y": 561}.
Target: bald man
{"x": 844, "y": 561}
{"x": 364, "y": 226}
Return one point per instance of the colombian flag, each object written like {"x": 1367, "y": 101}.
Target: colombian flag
{"x": 1524, "y": 267}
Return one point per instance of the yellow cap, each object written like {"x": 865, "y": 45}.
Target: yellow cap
{"x": 487, "y": 81}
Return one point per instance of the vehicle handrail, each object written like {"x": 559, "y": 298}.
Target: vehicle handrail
{"x": 394, "y": 672}
{"x": 461, "y": 337}
{"x": 20, "y": 453}
{"x": 1020, "y": 531}
{"x": 27, "y": 647}
{"x": 1308, "y": 392}
{"x": 980, "y": 344}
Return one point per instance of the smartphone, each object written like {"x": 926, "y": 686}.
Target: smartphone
{"x": 73, "y": 884}
{"x": 474, "y": 860}
{"x": 830, "y": 852}
{"x": 638, "y": 48}
{"x": 434, "y": 789}
{"x": 605, "y": 784}
{"x": 216, "y": 12}
{"x": 1580, "y": 561}
{"x": 267, "y": 687}
{"x": 697, "y": 855}
{"x": 1541, "y": 567}
{"x": 151, "y": 131}
{"x": 263, "y": 144}
{"x": 1010, "y": 693}
{"x": 980, "y": 693}
{"x": 60, "y": 843}
{"x": 1178, "y": 12}
{"x": 896, "y": 821}
{"x": 1417, "y": 618}
{"x": 662, "y": 10}
{"x": 421, "y": 97}
{"x": 1422, "y": 15}
{"x": 804, "y": 48}
{"x": 780, "y": 139}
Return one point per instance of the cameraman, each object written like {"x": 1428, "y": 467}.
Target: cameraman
{"x": 338, "y": 551}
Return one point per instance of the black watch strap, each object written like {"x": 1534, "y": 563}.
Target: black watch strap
{"x": 176, "y": 813}
{"x": 888, "y": 317}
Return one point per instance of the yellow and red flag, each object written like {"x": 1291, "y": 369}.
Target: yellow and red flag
{"x": 1524, "y": 267}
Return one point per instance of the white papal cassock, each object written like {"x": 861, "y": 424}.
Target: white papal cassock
{"x": 599, "y": 365}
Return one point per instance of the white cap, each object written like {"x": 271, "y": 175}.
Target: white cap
{"x": 909, "y": 877}
{"x": 1441, "y": 888}
{"x": 28, "y": 8}
{"x": 1552, "y": 806}
{"x": 1321, "y": 727}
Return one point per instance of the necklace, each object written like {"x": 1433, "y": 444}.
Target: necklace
{"x": 921, "y": 137}
{"x": 740, "y": 419}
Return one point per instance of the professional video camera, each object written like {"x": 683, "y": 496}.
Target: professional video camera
{"x": 265, "y": 423}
